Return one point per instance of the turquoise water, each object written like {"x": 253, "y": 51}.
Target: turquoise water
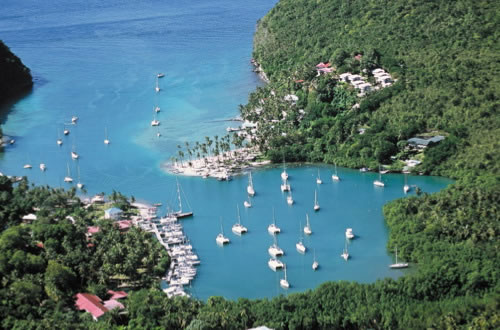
{"x": 98, "y": 61}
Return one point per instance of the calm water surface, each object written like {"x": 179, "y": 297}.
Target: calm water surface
{"x": 98, "y": 60}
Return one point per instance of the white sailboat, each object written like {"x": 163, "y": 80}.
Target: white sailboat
{"x": 68, "y": 177}
{"x": 65, "y": 131}
{"x": 238, "y": 229}
{"x": 155, "y": 122}
{"x": 27, "y": 166}
{"x": 74, "y": 119}
{"x": 349, "y": 234}
{"x": 316, "y": 204}
{"x": 180, "y": 214}
{"x": 160, "y": 75}
{"x": 345, "y": 253}
{"x": 272, "y": 228}
{"x": 300, "y": 246}
{"x": 398, "y": 265}
{"x": 289, "y": 198}
{"x": 406, "y": 187}
{"x": 250, "y": 189}
{"x": 274, "y": 250}
{"x": 79, "y": 185}
{"x": 157, "y": 109}
{"x": 59, "y": 140}
{"x": 221, "y": 239}
{"x": 285, "y": 186}
{"x": 106, "y": 140}
{"x": 157, "y": 87}
{"x": 284, "y": 174}
{"x": 307, "y": 228}
{"x": 318, "y": 179}
{"x": 284, "y": 281}
{"x": 274, "y": 264}
{"x": 247, "y": 203}
{"x": 315, "y": 264}
{"x": 43, "y": 167}
{"x": 335, "y": 176}
{"x": 379, "y": 182}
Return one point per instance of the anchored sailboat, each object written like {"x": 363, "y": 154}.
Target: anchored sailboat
{"x": 157, "y": 87}
{"x": 379, "y": 182}
{"x": 247, "y": 203}
{"x": 345, "y": 253}
{"x": 300, "y": 246}
{"x": 335, "y": 176}
{"x": 285, "y": 186}
{"x": 79, "y": 184}
{"x": 398, "y": 265}
{"x": 272, "y": 228}
{"x": 284, "y": 174}
{"x": 315, "y": 264}
{"x": 68, "y": 177}
{"x": 180, "y": 214}
{"x": 250, "y": 189}
{"x": 238, "y": 229}
{"x": 307, "y": 228}
{"x": 274, "y": 250}
{"x": 221, "y": 239}
{"x": 106, "y": 140}
{"x": 289, "y": 198}
{"x": 406, "y": 187}
{"x": 316, "y": 204}
{"x": 284, "y": 281}
{"x": 318, "y": 179}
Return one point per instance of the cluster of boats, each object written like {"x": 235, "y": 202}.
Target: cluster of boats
{"x": 156, "y": 108}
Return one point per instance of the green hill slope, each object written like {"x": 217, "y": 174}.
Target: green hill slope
{"x": 15, "y": 77}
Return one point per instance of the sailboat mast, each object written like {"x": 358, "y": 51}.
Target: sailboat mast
{"x": 179, "y": 197}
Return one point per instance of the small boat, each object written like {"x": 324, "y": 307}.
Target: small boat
{"x": 155, "y": 122}
{"x": 300, "y": 246}
{"x": 345, "y": 253}
{"x": 157, "y": 204}
{"x": 59, "y": 142}
{"x": 316, "y": 204}
{"x": 79, "y": 185}
{"x": 379, "y": 182}
{"x": 43, "y": 167}
{"x": 27, "y": 166}
{"x": 74, "y": 155}
{"x": 221, "y": 239}
{"x": 335, "y": 176}
{"x": 284, "y": 281}
{"x": 157, "y": 87}
{"x": 237, "y": 228}
{"x": 289, "y": 198}
{"x": 74, "y": 119}
{"x": 284, "y": 174}
{"x": 272, "y": 228}
{"x": 285, "y": 186}
{"x": 307, "y": 228}
{"x": 274, "y": 250}
{"x": 106, "y": 140}
{"x": 66, "y": 131}
{"x": 318, "y": 179}
{"x": 68, "y": 177}
{"x": 274, "y": 264}
{"x": 363, "y": 169}
{"x": 349, "y": 234}
{"x": 250, "y": 189}
{"x": 398, "y": 265}
{"x": 247, "y": 203}
{"x": 406, "y": 187}
{"x": 160, "y": 75}
{"x": 315, "y": 264}
{"x": 12, "y": 141}
{"x": 157, "y": 109}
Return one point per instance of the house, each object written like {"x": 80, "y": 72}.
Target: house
{"x": 29, "y": 218}
{"x": 378, "y": 70}
{"x": 92, "y": 230}
{"x": 113, "y": 213}
{"x": 322, "y": 65}
{"x": 365, "y": 87}
{"x": 291, "y": 98}
{"x": 95, "y": 306}
{"x": 345, "y": 77}
{"x": 423, "y": 142}
{"x": 124, "y": 225}
{"x": 355, "y": 77}
{"x": 99, "y": 198}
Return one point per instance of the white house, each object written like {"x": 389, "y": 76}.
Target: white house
{"x": 113, "y": 213}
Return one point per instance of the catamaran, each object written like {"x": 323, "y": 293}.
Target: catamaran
{"x": 318, "y": 179}
{"x": 272, "y": 228}
{"x": 250, "y": 189}
{"x": 316, "y": 204}
{"x": 349, "y": 234}
{"x": 345, "y": 253}
{"x": 221, "y": 239}
{"x": 274, "y": 250}
{"x": 335, "y": 176}
{"x": 106, "y": 140}
{"x": 406, "y": 187}
{"x": 379, "y": 182}
{"x": 285, "y": 186}
{"x": 238, "y": 229}
{"x": 180, "y": 214}
{"x": 300, "y": 246}
{"x": 315, "y": 264}
{"x": 284, "y": 281}
{"x": 74, "y": 119}
{"x": 307, "y": 228}
{"x": 68, "y": 177}
{"x": 289, "y": 198}
{"x": 274, "y": 264}
{"x": 398, "y": 265}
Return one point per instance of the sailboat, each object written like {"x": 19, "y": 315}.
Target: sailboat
{"x": 179, "y": 214}
{"x": 247, "y": 203}
{"x": 221, "y": 239}
{"x": 307, "y": 228}
{"x": 106, "y": 140}
{"x": 335, "y": 176}
{"x": 68, "y": 177}
{"x": 284, "y": 174}
{"x": 74, "y": 119}
{"x": 238, "y": 229}
{"x": 43, "y": 167}
{"x": 155, "y": 122}
{"x": 157, "y": 88}
{"x": 318, "y": 179}
{"x": 289, "y": 198}
{"x": 300, "y": 246}
{"x": 74, "y": 155}
{"x": 345, "y": 253}
{"x": 272, "y": 228}
{"x": 398, "y": 265}
{"x": 59, "y": 140}
{"x": 315, "y": 264}
{"x": 379, "y": 182}
{"x": 406, "y": 187}
{"x": 349, "y": 234}
{"x": 157, "y": 109}
{"x": 250, "y": 189}
{"x": 284, "y": 281}
{"x": 65, "y": 131}
{"x": 27, "y": 166}
{"x": 160, "y": 75}
{"x": 79, "y": 184}
{"x": 316, "y": 204}
{"x": 285, "y": 186}
{"x": 274, "y": 264}
{"x": 274, "y": 250}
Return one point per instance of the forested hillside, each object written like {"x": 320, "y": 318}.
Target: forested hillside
{"x": 15, "y": 77}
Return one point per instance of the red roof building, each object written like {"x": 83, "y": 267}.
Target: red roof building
{"x": 323, "y": 65}
{"x": 124, "y": 225}
{"x": 90, "y": 303}
{"x": 91, "y": 230}
{"x": 117, "y": 294}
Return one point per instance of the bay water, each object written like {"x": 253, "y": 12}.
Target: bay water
{"x": 98, "y": 60}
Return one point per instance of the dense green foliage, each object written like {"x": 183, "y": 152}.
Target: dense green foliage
{"x": 14, "y": 76}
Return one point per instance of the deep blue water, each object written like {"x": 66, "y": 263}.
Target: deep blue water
{"x": 98, "y": 59}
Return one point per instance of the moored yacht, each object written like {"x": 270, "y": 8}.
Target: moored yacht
{"x": 274, "y": 264}
{"x": 272, "y": 228}
{"x": 74, "y": 155}
{"x": 335, "y": 176}
{"x": 106, "y": 140}
{"x": 157, "y": 109}
{"x": 155, "y": 122}
{"x": 238, "y": 228}
{"x": 284, "y": 174}
{"x": 345, "y": 253}
{"x": 59, "y": 142}
{"x": 74, "y": 119}
{"x": 43, "y": 167}
{"x": 315, "y": 264}
{"x": 79, "y": 185}
{"x": 349, "y": 234}
{"x": 289, "y": 198}
{"x": 307, "y": 228}
{"x": 27, "y": 166}
{"x": 406, "y": 187}
{"x": 68, "y": 177}
{"x": 379, "y": 182}
{"x": 247, "y": 203}
{"x": 274, "y": 250}
{"x": 250, "y": 189}
{"x": 398, "y": 265}
{"x": 221, "y": 239}
{"x": 285, "y": 186}
{"x": 284, "y": 281}
{"x": 316, "y": 204}
{"x": 318, "y": 179}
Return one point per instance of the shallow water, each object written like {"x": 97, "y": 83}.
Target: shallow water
{"x": 98, "y": 61}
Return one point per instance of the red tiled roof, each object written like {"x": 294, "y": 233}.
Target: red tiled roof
{"x": 124, "y": 224}
{"x": 299, "y": 81}
{"x": 117, "y": 294}
{"x": 40, "y": 245}
{"x": 90, "y": 303}
{"x": 112, "y": 304}
{"x": 93, "y": 229}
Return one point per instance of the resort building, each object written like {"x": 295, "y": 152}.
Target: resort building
{"x": 113, "y": 213}
{"x": 95, "y": 306}
{"x": 422, "y": 143}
